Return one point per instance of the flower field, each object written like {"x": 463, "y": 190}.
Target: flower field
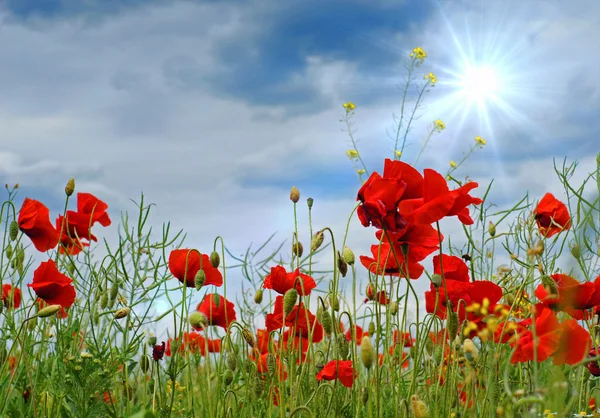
{"x": 508, "y": 326}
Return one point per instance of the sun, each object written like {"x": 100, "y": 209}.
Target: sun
{"x": 480, "y": 84}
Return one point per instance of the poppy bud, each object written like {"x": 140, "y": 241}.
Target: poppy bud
{"x": 412, "y": 352}
{"x": 144, "y": 363}
{"x": 550, "y": 285}
{"x": 309, "y": 202}
{"x": 452, "y": 323}
{"x": 152, "y": 340}
{"x": 199, "y": 279}
{"x": 342, "y": 265}
{"x": 8, "y": 251}
{"x": 249, "y": 337}
{"x": 258, "y": 297}
{"x": 294, "y": 194}
{"x": 114, "y": 290}
{"x": 232, "y": 362}
{"x": 215, "y": 259}
{"x": 343, "y": 346}
{"x": 104, "y": 301}
{"x": 271, "y": 363}
{"x": 297, "y": 249}
{"x": 227, "y": 377}
{"x": 491, "y": 229}
{"x": 429, "y": 345}
{"x": 335, "y": 302}
{"x": 576, "y": 251}
{"x": 371, "y": 328}
{"x": 317, "y": 240}
{"x": 436, "y": 279}
{"x": 259, "y": 386}
{"x": 367, "y": 352}
{"x": 365, "y": 396}
{"x": 348, "y": 255}
{"x": 197, "y": 320}
{"x": 13, "y": 230}
{"x": 70, "y": 187}
{"x": 122, "y": 313}
{"x": 49, "y": 311}
{"x": 471, "y": 352}
{"x": 418, "y": 407}
{"x": 393, "y": 307}
{"x": 370, "y": 292}
{"x": 326, "y": 321}
{"x": 289, "y": 300}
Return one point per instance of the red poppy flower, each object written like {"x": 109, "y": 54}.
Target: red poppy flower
{"x": 181, "y": 258}
{"x": 593, "y": 366}
{"x": 34, "y": 221}
{"x": 11, "y": 296}
{"x": 548, "y": 335}
{"x": 218, "y": 310}
{"x": 384, "y": 261}
{"x": 263, "y": 368}
{"x": 552, "y": 216}
{"x": 403, "y": 338}
{"x": 341, "y": 370}
{"x": 454, "y": 268}
{"x": 574, "y": 345}
{"x": 281, "y": 281}
{"x": 379, "y": 197}
{"x": 262, "y": 341}
{"x": 52, "y": 286}
{"x": 300, "y": 318}
{"x": 158, "y": 351}
{"x": 438, "y": 201}
{"x": 93, "y": 208}
{"x": 359, "y": 334}
{"x": 194, "y": 342}
{"x": 571, "y": 293}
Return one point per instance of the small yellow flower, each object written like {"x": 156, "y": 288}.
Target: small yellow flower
{"x": 352, "y": 154}
{"x": 452, "y": 164}
{"x": 418, "y": 54}
{"x": 361, "y": 172}
{"x": 398, "y": 153}
{"x": 438, "y": 125}
{"x": 349, "y": 106}
{"x": 432, "y": 79}
{"x": 480, "y": 140}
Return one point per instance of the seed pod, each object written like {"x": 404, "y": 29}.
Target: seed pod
{"x": 122, "y": 313}
{"x": 13, "y": 231}
{"x": 249, "y": 337}
{"x": 492, "y": 229}
{"x": 49, "y": 311}
{"x": 199, "y": 279}
{"x": 317, "y": 240}
{"x": 289, "y": 301}
{"x": 227, "y": 377}
{"x": 297, "y": 249}
{"x": 258, "y": 297}
{"x": 343, "y": 346}
{"x": 144, "y": 363}
{"x": 309, "y": 202}
{"x": 348, "y": 255}
{"x": 198, "y": 320}
{"x": 215, "y": 259}
{"x": 232, "y": 362}
{"x": 342, "y": 265}
{"x": 436, "y": 280}
{"x": 576, "y": 251}
{"x": 152, "y": 340}
{"x": 294, "y": 194}
{"x": 70, "y": 187}
{"x": 367, "y": 352}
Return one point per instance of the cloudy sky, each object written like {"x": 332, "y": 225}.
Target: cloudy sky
{"x": 214, "y": 109}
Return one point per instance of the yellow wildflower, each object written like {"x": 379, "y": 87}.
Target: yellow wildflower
{"x": 349, "y": 106}
{"x": 352, "y": 154}
{"x": 398, "y": 153}
{"x": 452, "y": 164}
{"x": 480, "y": 140}
{"x": 432, "y": 79}
{"x": 438, "y": 125}
{"x": 361, "y": 172}
{"x": 418, "y": 54}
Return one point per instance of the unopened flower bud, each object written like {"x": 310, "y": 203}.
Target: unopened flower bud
{"x": 104, "y": 300}
{"x": 365, "y": 396}
{"x": 297, "y": 249}
{"x": 114, "y": 290}
{"x": 326, "y": 321}
{"x": 576, "y": 251}
{"x": 436, "y": 279}
{"x": 70, "y": 187}
{"x": 370, "y": 292}
{"x": 393, "y": 307}
{"x": 200, "y": 279}
{"x": 348, "y": 255}
{"x": 492, "y": 229}
{"x": 372, "y": 328}
{"x": 215, "y": 259}
{"x": 258, "y": 297}
{"x": 144, "y": 363}
{"x": 294, "y": 194}
{"x": 309, "y": 202}
{"x": 429, "y": 345}
{"x": 289, "y": 300}
{"x": 367, "y": 352}
{"x": 227, "y": 377}
{"x": 418, "y": 407}
{"x": 317, "y": 240}
{"x": 452, "y": 324}
{"x": 249, "y": 337}
{"x": 232, "y": 362}
{"x": 550, "y": 285}
{"x": 271, "y": 363}
{"x": 343, "y": 346}
{"x": 122, "y": 313}
{"x": 198, "y": 320}
{"x": 8, "y": 251}
{"x": 335, "y": 302}
{"x": 342, "y": 265}
{"x": 152, "y": 340}
{"x": 49, "y": 311}
{"x": 13, "y": 230}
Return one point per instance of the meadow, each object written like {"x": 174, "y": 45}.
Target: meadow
{"x": 508, "y": 326}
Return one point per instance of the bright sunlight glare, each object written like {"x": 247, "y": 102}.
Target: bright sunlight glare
{"x": 480, "y": 84}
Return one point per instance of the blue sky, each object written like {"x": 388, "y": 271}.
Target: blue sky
{"x": 214, "y": 109}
